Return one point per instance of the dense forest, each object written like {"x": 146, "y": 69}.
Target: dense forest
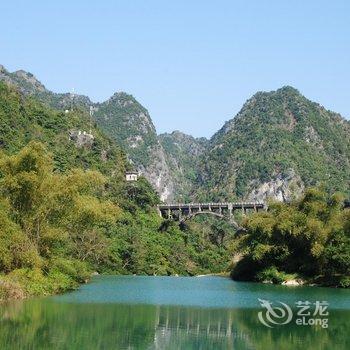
{"x": 66, "y": 210}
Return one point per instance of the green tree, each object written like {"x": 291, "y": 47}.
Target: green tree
{"x": 309, "y": 238}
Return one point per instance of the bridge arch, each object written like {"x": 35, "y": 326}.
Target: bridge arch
{"x": 207, "y": 212}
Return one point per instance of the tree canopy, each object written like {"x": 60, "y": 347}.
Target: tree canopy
{"x": 308, "y": 238}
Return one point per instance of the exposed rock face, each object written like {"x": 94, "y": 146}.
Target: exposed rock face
{"x": 81, "y": 138}
{"x": 182, "y": 155}
{"x": 130, "y": 125}
{"x": 282, "y": 187}
{"x": 30, "y": 80}
{"x": 293, "y": 282}
{"x": 158, "y": 174}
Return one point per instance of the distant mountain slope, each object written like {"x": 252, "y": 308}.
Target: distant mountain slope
{"x": 30, "y": 85}
{"x": 182, "y": 155}
{"x": 66, "y": 135}
{"x": 279, "y": 143}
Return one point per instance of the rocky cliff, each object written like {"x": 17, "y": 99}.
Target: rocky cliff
{"x": 183, "y": 153}
{"x": 130, "y": 125}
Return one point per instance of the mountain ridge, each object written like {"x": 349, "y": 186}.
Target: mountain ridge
{"x": 278, "y": 143}
{"x": 140, "y": 142}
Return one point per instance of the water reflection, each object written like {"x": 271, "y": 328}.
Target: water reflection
{"x": 47, "y": 324}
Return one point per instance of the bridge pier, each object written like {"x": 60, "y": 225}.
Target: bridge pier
{"x": 230, "y": 206}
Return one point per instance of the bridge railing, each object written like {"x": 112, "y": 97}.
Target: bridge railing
{"x": 211, "y": 204}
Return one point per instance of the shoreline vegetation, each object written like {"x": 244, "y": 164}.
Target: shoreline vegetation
{"x": 67, "y": 211}
{"x": 306, "y": 240}
{"x": 58, "y": 228}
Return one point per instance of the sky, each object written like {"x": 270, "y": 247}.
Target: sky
{"x": 192, "y": 64}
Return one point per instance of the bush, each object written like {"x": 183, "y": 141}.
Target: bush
{"x": 10, "y": 290}
{"x": 32, "y": 281}
{"x": 271, "y": 274}
{"x": 58, "y": 282}
{"x": 345, "y": 282}
{"x": 77, "y": 270}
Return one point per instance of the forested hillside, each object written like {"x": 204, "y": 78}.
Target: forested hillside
{"x": 66, "y": 134}
{"x": 121, "y": 117}
{"x": 28, "y": 84}
{"x": 278, "y": 144}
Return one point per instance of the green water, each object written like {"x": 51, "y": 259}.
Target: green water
{"x": 129, "y": 312}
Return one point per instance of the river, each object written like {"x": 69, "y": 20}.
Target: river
{"x": 139, "y": 312}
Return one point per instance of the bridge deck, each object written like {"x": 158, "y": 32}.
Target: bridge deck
{"x": 204, "y": 206}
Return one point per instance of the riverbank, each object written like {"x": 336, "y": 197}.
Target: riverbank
{"x": 20, "y": 289}
{"x": 27, "y": 283}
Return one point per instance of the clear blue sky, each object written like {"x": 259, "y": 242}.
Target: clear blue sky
{"x": 191, "y": 63}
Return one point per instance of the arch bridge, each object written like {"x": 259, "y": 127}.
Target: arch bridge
{"x": 182, "y": 212}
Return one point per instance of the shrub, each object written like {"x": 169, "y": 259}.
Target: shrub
{"x": 271, "y": 274}
{"x": 10, "y": 290}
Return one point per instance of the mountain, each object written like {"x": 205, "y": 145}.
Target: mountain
{"x": 121, "y": 117}
{"x": 61, "y": 219}
{"x": 182, "y": 155}
{"x": 278, "y": 144}
{"x": 130, "y": 125}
